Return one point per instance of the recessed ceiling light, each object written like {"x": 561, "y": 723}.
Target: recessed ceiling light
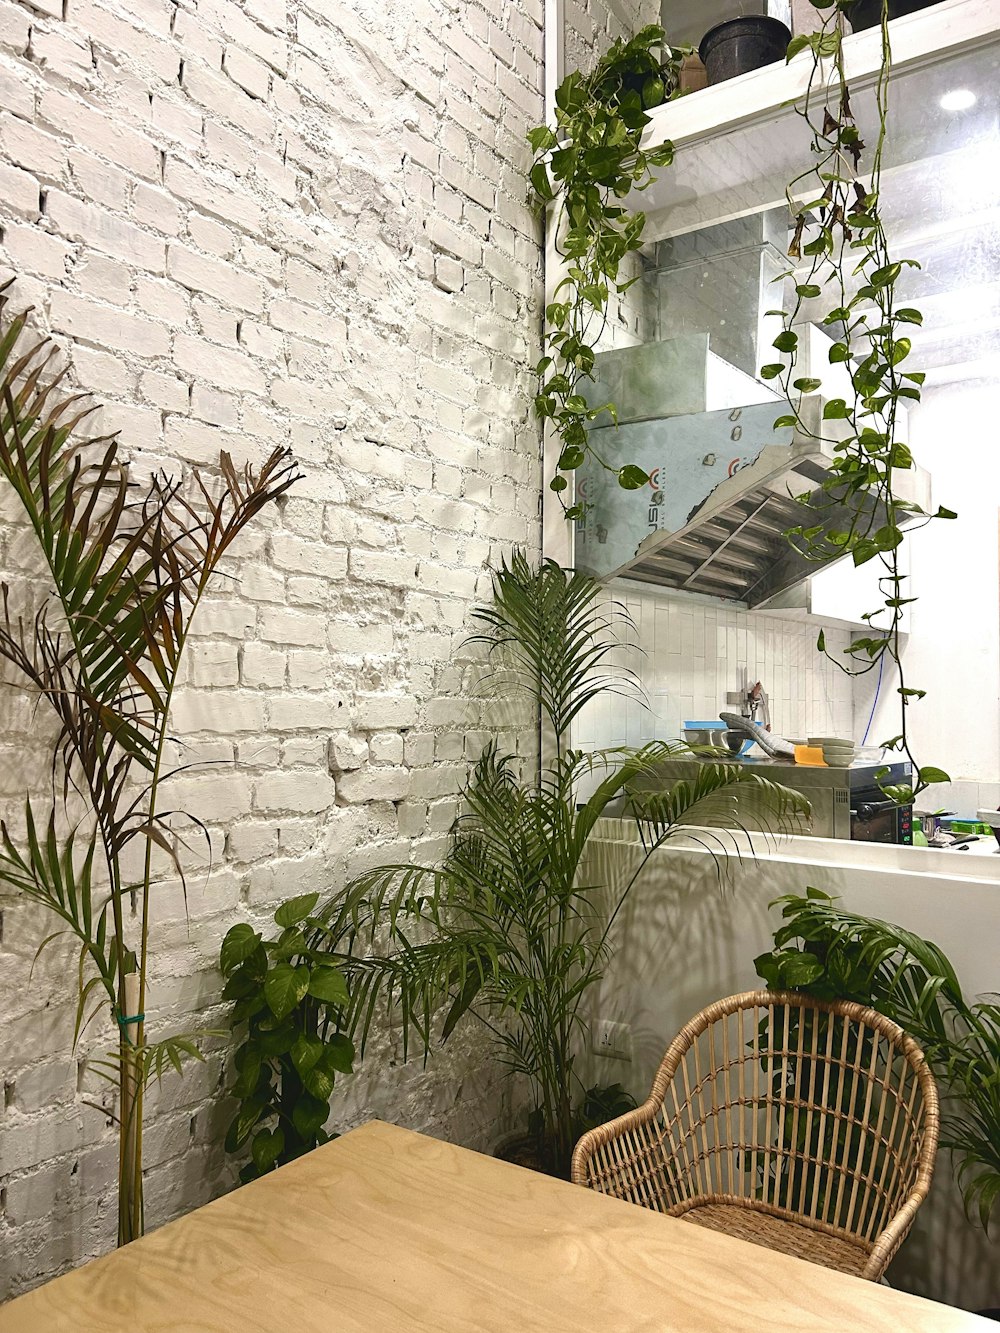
{"x": 959, "y": 99}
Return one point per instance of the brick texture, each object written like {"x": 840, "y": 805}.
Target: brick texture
{"x": 253, "y": 223}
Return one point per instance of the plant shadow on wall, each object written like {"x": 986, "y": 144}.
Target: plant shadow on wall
{"x": 127, "y": 566}
{"x": 509, "y": 930}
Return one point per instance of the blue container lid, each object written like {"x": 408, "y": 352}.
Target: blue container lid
{"x": 716, "y": 725}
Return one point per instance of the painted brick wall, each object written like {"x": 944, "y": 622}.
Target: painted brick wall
{"x": 251, "y": 223}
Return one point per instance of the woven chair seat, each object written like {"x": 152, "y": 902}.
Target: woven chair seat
{"x": 806, "y": 1126}
{"x": 777, "y": 1233}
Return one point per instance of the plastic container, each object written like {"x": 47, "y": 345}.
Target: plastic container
{"x": 740, "y": 45}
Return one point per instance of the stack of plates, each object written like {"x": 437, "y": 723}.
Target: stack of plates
{"x": 837, "y": 753}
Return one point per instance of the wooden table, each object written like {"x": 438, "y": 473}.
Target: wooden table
{"x": 388, "y": 1230}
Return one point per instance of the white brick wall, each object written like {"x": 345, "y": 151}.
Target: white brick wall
{"x": 252, "y": 224}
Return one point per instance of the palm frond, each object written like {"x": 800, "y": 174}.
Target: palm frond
{"x": 559, "y": 642}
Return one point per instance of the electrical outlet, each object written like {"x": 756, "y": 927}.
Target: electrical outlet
{"x": 612, "y": 1039}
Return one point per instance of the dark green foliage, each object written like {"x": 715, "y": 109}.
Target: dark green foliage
{"x": 824, "y": 951}
{"x": 289, "y": 1000}
{"x": 589, "y": 162}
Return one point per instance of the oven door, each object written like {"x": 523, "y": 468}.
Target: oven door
{"x": 874, "y": 819}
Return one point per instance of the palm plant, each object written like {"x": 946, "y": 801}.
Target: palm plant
{"x": 828, "y": 952}
{"x": 126, "y": 567}
{"x": 511, "y": 927}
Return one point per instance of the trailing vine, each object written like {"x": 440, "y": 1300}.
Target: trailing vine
{"x": 589, "y": 162}
{"x": 839, "y": 231}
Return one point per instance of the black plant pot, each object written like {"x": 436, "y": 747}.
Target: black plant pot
{"x": 740, "y": 45}
{"x": 868, "y": 13}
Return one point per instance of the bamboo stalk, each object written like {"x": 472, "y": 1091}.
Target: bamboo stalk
{"x": 130, "y": 1171}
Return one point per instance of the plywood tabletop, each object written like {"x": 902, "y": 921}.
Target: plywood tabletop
{"x": 384, "y": 1229}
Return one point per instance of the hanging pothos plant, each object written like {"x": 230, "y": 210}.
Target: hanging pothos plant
{"x": 586, "y": 165}
{"x": 841, "y": 246}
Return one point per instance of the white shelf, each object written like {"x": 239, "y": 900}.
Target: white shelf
{"x": 757, "y": 112}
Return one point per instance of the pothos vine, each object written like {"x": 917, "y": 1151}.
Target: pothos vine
{"x": 588, "y": 163}
{"x": 839, "y": 234}
{"x": 593, "y": 159}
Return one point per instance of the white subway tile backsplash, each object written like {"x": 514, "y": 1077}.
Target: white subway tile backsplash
{"x": 687, "y": 653}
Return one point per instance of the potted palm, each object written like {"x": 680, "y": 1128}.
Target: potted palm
{"x": 510, "y": 929}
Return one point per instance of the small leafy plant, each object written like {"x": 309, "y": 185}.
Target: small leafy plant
{"x": 589, "y": 162}
{"x": 826, "y": 952}
{"x": 289, "y": 998}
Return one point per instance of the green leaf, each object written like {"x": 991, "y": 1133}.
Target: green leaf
{"x": 929, "y": 775}
{"x": 806, "y": 384}
{"x": 239, "y": 944}
{"x": 797, "y": 44}
{"x": 249, "y": 1066}
{"x": 835, "y": 410}
{"x": 318, "y": 1081}
{"x": 571, "y": 458}
{"x": 786, "y": 341}
{"x": 309, "y": 1115}
{"x": 807, "y": 289}
{"x": 942, "y": 512}
{"x": 558, "y": 484}
{"x": 339, "y": 1054}
{"x": 296, "y": 909}
{"x": 771, "y": 371}
{"x": 631, "y": 477}
{"x": 277, "y": 1041}
{"x": 900, "y": 350}
{"x": 248, "y": 1115}
{"x": 306, "y": 1052}
{"x": 285, "y": 988}
{"x": 909, "y": 316}
{"x": 780, "y": 423}
{"x": 541, "y": 138}
{"x": 267, "y": 1147}
{"x": 328, "y": 985}
{"x": 539, "y": 177}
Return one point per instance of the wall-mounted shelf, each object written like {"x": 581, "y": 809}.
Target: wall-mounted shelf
{"x": 740, "y": 142}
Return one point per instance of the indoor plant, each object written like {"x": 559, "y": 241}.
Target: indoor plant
{"x": 840, "y": 247}
{"x": 288, "y": 998}
{"x": 585, "y": 165}
{"x": 827, "y": 952}
{"x": 126, "y": 566}
{"x": 510, "y": 928}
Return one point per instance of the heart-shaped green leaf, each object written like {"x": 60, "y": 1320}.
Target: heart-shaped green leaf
{"x": 307, "y": 1050}
{"x": 327, "y": 984}
{"x": 284, "y": 988}
{"x": 296, "y": 909}
{"x": 240, "y": 942}
{"x": 266, "y": 1148}
{"x": 309, "y": 1115}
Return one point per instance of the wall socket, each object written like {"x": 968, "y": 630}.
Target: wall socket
{"x": 613, "y": 1039}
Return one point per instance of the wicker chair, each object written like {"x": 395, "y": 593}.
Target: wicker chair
{"x": 807, "y": 1127}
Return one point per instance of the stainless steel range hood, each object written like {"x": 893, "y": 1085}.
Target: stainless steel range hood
{"x": 723, "y": 482}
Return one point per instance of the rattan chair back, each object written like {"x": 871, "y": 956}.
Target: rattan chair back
{"x": 771, "y": 1105}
